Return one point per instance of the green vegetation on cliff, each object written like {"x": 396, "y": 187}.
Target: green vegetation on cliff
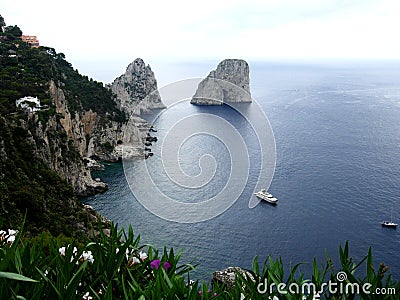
{"x": 31, "y": 147}
{"x": 28, "y": 186}
{"x": 26, "y": 71}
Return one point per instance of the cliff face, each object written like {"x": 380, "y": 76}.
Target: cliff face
{"x": 89, "y": 134}
{"x": 104, "y": 141}
{"x": 136, "y": 90}
{"x": 60, "y": 142}
{"x": 44, "y": 152}
{"x": 90, "y": 137}
{"x": 70, "y": 131}
{"x": 47, "y": 153}
{"x": 38, "y": 168}
{"x": 230, "y": 82}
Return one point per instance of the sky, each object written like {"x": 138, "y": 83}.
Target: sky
{"x": 101, "y": 38}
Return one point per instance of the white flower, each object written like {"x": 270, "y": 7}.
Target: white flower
{"x": 87, "y": 255}
{"x": 127, "y": 253}
{"x": 12, "y": 232}
{"x": 116, "y": 251}
{"x": 11, "y": 239}
{"x": 62, "y": 251}
{"x": 135, "y": 260}
{"x": 87, "y": 296}
{"x": 190, "y": 283}
{"x": 46, "y": 272}
{"x": 143, "y": 255}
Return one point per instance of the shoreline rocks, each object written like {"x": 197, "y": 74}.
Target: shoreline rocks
{"x": 227, "y": 277}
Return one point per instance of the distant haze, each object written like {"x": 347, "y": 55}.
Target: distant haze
{"x": 101, "y": 37}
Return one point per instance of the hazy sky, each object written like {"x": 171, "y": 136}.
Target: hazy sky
{"x": 102, "y": 37}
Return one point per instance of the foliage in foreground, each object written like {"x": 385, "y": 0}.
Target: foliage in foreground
{"x": 118, "y": 267}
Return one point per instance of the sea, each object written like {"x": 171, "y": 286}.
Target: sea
{"x": 336, "y": 129}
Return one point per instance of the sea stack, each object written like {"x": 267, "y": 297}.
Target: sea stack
{"x": 136, "y": 90}
{"x": 230, "y": 82}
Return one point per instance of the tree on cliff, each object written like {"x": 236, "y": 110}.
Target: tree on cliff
{"x": 13, "y": 32}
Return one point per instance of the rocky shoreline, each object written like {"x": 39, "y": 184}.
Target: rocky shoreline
{"x": 137, "y": 93}
{"x": 95, "y": 140}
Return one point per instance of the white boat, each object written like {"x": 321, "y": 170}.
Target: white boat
{"x": 264, "y": 195}
{"x": 390, "y": 223}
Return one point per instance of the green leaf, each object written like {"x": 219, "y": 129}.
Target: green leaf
{"x": 166, "y": 278}
{"x": 50, "y": 282}
{"x": 255, "y": 267}
{"x": 370, "y": 270}
{"x": 14, "y": 276}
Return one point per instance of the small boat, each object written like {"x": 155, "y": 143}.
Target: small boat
{"x": 389, "y": 224}
{"x": 264, "y": 195}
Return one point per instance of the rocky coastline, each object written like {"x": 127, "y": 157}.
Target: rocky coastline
{"x": 135, "y": 94}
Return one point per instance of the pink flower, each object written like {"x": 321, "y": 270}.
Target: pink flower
{"x": 167, "y": 265}
{"x": 155, "y": 264}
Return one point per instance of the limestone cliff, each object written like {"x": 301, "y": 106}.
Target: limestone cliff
{"x": 230, "y": 82}
{"x": 60, "y": 142}
{"x": 90, "y": 137}
{"x": 94, "y": 135}
{"x": 102, "y": 140}
{"x": 136, "y": 90}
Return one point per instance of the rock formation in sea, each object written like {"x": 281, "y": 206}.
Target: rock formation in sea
{"x": 230, "y": 82}
{"x": 136, "y": 89}
{"x": 227, "y": 277}
{"x": 136, "y": 94}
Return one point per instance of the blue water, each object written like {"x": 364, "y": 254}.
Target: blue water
{"x": 337, "y": 176}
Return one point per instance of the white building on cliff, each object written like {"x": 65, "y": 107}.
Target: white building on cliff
{"x": 29, "y": 104}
